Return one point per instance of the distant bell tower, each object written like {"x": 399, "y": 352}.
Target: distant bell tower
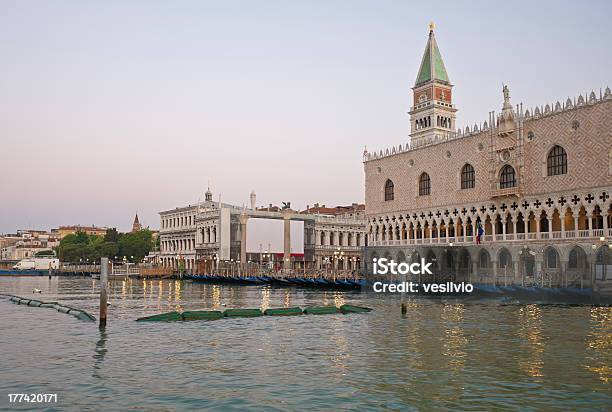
{"x": 432, "y": 115}
{"x": 136, "y": 226}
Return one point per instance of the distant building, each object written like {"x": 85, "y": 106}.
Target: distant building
{"x": 90, "y": 230}
{"x": 340, "y": 235}
{"x": 27, "y": 243}
{"x": 211, "y": 232}
{"x": 136, "y": 226}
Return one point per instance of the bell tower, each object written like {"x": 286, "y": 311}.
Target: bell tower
{"x": 432, "y": 115}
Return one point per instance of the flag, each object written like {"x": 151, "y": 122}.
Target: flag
{"x": 479, "y": 233}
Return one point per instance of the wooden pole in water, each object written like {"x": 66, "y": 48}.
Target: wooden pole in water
{"x": 404, "y": 307}
{"x": 103, "y": 291}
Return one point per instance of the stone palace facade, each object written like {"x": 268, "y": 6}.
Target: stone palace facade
{"x": 538, "y": 182}
{"x": 211, "y": 234}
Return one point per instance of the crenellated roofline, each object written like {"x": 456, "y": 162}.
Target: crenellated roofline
{"x": 467, "y": 131}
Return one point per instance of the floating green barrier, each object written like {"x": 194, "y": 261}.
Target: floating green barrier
{"x": 62, "y": 309}
{"x": 354, "y": 309}
{"x": 162, "y": 317}
{"x": 49, "y": 305}
{"x": 202, "y": 315}
{"x": 80, "y": 314}
{"x": 321, "y": 310}
{"x": 283, "y": 311}
{"x": 248, "y": 313}
{"x": 242, "y": 313}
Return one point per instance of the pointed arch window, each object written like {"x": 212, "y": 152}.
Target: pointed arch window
{"x": 424, "y": 185}
{"x": 556, "y": 161}
{"x": 507, "y": 177}
{"x": 389, "y": 187}
{"x": 468, "y": 177}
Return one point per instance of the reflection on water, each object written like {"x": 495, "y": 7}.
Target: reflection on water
{"x": 440, "y": 355}
{"x": 100, "y": 352}
{"x": 338, "y": 299}
{"x": 265, "y": 298}
{"x": 530, "y": 330}
{"x": 599, "y": 344}
{"x": 454, "y": 337}
{"x": 413, "y": 339}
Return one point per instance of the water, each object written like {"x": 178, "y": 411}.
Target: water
{"x": 445, "y": 354}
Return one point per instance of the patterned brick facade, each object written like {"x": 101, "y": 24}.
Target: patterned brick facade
{"x": 526, "y": 193}
{"x": 588, "y": 156}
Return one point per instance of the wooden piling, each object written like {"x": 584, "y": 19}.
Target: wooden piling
{"x": 404, "y": 306}
{"x": 103, "y": 291}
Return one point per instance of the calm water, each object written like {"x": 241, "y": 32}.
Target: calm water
{"x": 446, "y": 354}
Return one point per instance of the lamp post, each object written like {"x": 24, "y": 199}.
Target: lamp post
{"x": 338, "y": 256}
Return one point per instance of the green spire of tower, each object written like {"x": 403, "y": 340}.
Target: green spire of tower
{"x": 432, "y": 65}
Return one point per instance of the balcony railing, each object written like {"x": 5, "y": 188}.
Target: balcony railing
{"x": 346, "y": 247}
{"x": 509, "y": 191}
{"x": 509, "y": 237}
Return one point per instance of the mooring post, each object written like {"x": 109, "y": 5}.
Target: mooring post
{"x": 404, "y": 307}
{"x": 103, "y": 291}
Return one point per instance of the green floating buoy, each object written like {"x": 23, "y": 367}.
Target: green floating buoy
{"x": 202, "y": 315}
{"x": 283, "y": 311}
{"x": 48, "y": 305}
{"x": 162, "y": 317}
{"x": 242, "y": 313}
{"x": 321, "y": 310}
{"x": 354, "y": 309}
{"x": 81, "y": 314}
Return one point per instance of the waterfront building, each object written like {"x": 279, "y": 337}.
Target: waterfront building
{"x": 536, "y": 183}
{"x": 90, "y": 230}
{"x": 211, "y": 233}
{"x": 177, "y": 233}
{"x": 27, "y": 243}
{"x": 339, "y": 236}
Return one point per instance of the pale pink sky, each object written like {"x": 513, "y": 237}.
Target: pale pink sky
{"x": 111, "y": 107}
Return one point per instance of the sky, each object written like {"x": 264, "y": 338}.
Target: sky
{"x": 116, "y": 107}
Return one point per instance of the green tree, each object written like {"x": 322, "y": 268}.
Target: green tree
{"x": 111, "y": 235}
{"x": 79, "y": 246}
